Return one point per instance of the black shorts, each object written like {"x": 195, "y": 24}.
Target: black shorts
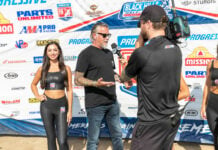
{"x": 212, "y": 113}
{"x": 154, "y": 136}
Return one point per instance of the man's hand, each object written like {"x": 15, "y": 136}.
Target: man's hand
{"x": 100, "y": 83}
{"x": 128, "y": 84}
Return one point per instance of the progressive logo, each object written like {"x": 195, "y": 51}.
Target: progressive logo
{"x": 20, "y": 2}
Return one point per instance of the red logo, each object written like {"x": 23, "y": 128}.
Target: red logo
{"x": 199, "y": 57}
{"x": 5, "y": 26}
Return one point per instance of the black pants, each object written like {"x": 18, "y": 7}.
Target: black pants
{"x": 154, "y": 136}
{"x": 212, "y": 116}
{"x": 54, "y": 116}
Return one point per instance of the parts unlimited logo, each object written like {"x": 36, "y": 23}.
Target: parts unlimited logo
{"x": 65, "y": 11}
{"x": 5, "y": 26}
{"x": 35, "y": 14}
{"x": 195, "y": 74}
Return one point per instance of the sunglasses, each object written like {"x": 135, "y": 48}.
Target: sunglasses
{"x": 104, "y": 35}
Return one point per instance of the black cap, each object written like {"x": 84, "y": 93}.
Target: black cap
{"x": 154, "y": 13}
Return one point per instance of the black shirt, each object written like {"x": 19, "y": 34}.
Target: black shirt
{"x": 96, "y": 63}
{"x": 54, "y": 81}
{"x": 158, "y": 68}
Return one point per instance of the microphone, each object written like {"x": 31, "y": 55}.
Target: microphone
{"x": 116, "y": 50}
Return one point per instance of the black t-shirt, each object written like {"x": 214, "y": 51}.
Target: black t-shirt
{"x": 96, "y": 63}
{"x": 158, "y": 68}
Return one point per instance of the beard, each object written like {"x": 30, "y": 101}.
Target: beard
{"x": 104, "y": 45}
{"x": 144, "y": 35}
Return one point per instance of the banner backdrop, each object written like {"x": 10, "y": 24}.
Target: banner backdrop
{"x": 26, "y": 26}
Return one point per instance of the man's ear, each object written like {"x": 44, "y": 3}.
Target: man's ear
{"x": 94, "y": 36}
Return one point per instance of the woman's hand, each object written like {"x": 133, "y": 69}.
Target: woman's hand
{"x": 203, "y": 112}
{"x": 41, "y": 98}
{"x": 69, "y": 117}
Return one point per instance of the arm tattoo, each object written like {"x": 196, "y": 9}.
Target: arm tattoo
{"x": 124, "y": 77}
{"x": 80, "y": 80}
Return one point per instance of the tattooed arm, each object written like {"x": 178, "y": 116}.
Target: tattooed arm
{"x": 80, "y": 80}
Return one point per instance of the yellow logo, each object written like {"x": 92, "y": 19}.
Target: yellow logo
{"x": 3, "y": 20}
{"x": 33, "y": 100}
{"x": 199, "y": 57}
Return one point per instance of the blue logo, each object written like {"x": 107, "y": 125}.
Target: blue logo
{"x": 195, "y": 37}
{"x": 132, "y": 10}
{"x": 37, "y": 59}
{"x": 127, "y": 41}
{"x": 35, "y": 14}
{"x": 79, "y": 41}
{"x": 38, "y": 29}
{"x": 195, "y": 74}
{"x": 21, "y": 44}
{"x": 21, "y": 2}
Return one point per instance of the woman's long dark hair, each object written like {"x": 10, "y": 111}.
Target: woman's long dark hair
{"x": 46, "y": 65}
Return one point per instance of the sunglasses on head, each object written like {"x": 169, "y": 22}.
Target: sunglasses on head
{"x": 104, "y": 35}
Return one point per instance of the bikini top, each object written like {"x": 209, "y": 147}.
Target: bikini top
{"x": 214, "y": 73}
{"x": 54, "y": 81}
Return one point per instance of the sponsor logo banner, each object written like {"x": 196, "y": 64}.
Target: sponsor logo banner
{"x": 33, "y": 100}
{"x": 11, "y": 75}
{"x": 94, "y": 12}
{"x": 35, "y": 15}
{"x": 37, "y": 59}
{"x": 3, "y": 44}
{"x": 38, "y": 29}
{"x": 199, "y": 57}
{"x": 132, "y": 10}
{"x": 45, "y": 42}
{"x": 5, "y": 26}
{"x": 18, "y": 88}
{"x": 209, "y": 36}
{"x": 20, "y": 2}
{"x": 6, "y": 102}
{"x": 64, "y": 11}
{"x": 21, "y": 44}
{"x": 194, "y": 131}
{"x": 195, "y": 74}
{"x": 13, "y": 61}
{"x": 79, "y": 41}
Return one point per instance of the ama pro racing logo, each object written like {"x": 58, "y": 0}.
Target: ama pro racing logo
{"x": 199, "y": 57}
{"x": 127, "y": 45}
